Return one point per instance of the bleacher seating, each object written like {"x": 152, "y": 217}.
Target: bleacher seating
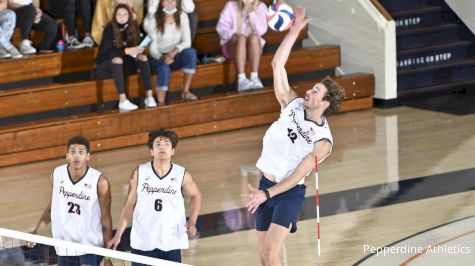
{"x": 108, "y": 128}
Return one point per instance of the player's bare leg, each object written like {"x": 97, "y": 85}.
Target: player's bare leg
{"x": 273, "y": 241}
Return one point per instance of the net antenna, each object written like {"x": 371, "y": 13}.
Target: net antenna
{"x": 317, "y": 206}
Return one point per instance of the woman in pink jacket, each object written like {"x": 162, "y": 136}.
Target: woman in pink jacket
{"x": 241, "y": 25}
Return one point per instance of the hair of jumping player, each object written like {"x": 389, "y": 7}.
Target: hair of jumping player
{"x": 335, "y": 94}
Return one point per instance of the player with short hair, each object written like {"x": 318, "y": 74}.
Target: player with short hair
{"x": 289, "y": 147}
{"x": 79, "y": 209}
{"x": 155, "y": 200}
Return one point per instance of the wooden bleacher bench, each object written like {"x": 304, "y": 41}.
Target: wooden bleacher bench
{"x": 59, "y": 96}
{"x": 46, "y": 65}
{"x": 207, "y": 39}
{"x": 55, "y": 64}
{"x": 32, "y": 142}
{"x": 208, "y": 11}
{"x": 216, "y": 112}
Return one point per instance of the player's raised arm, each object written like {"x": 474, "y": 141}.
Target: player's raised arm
{"x": 283, "y": 92}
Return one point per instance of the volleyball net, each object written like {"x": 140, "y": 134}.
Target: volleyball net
{"x": 19, "y": 248}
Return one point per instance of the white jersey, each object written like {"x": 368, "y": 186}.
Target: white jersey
{"x": 75, "y": 209}
{"x": 290, "y": 139}
{"x": 159, "y": 215}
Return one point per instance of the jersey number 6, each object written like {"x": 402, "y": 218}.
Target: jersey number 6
{"x": 158, "y": 205}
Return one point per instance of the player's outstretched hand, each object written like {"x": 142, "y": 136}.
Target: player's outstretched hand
{"x": 255, "y": 198}
{"x": 190, "y": 229}
{"x": 300, "y": 20}
{"x": 113, "y": 243}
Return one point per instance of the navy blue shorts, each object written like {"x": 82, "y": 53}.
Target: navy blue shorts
{"x": 283, "y": 209}
{"x": 86, "y": 259}
{"x": 172, "y": 255}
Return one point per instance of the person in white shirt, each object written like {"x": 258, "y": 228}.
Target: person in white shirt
{"x": 187, "y": 6}
{"x": 170, "y": 48}
{"x": 290, "y": 146}
{"x": 155, "y": 200}
{"x": 79, "y": 210}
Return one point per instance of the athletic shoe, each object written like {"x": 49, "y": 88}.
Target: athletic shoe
{"x": 257, "y": 83}
{"x": 74, "y": 44}
{"x": 88, "y": 42}
{"x": 150, "y": 102}
{"x": 26, "y": 48}
{"x": 15, "y": 53}
{"x": 127, "y": 106}
{"x": 4, "y": 53}
{"x": 245, "y": 85}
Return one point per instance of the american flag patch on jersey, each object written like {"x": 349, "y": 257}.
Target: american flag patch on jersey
{"x": 89, "y": 186}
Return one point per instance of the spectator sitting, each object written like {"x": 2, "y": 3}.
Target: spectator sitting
{"x": 241, "y": 25}
{"x": 30, "y": 16}
{"x": 104, "y": 11}
{"x": 171, "y": 48}
{"x": 186, "y": 6}
{"x": 7, "y": 26}
{"x": 119, "y": 53}
{"x": 69, "y": 21}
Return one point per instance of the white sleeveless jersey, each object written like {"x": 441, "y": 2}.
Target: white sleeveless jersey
{"x": 159, "y": 214}
{"x": 289, "y": 140}
{"x": 75, "y": 209}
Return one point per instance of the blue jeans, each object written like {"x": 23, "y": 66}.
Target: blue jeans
{"x": 7, "y": 26}
{"x": 186, "y": 60}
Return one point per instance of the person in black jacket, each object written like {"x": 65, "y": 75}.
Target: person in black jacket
{"x": 120, "y": 54}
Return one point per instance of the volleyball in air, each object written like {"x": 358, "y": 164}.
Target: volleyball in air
{"x": 280, "y": 16}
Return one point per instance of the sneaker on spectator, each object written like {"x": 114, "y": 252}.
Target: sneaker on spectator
{"x": 4, "y": 53}
{"x": 257, "y": 83}
{"x": 88, "y": 42}
{"x": 26, "y": 48}
{"x": 150, "y": 102}
{"x": 245, "y": 85}
{"x": 127, "y": 106}
{"x": 74, "y": 43}
{"x": 15, "y": 53}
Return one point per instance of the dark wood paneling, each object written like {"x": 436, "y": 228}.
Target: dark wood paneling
{"x": 207, "y": 39}
{"x": 115, "y": 124}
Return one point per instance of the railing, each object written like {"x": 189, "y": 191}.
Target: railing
{"x": 366, "y": 34}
